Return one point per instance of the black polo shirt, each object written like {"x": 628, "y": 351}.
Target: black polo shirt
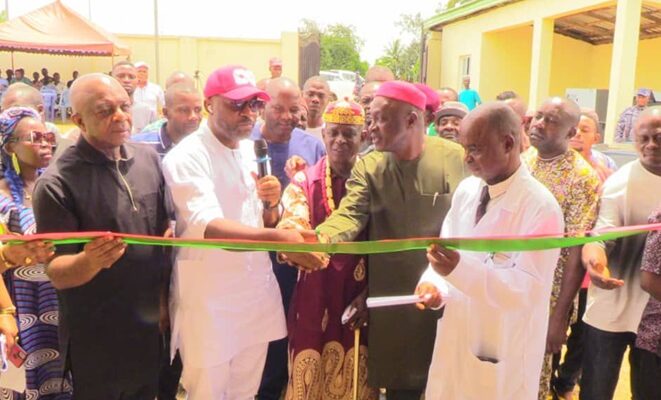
{"x": 109, "y": 326}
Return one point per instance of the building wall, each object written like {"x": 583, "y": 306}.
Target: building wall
{"x": 465, "y": 37}
{"x": 176, "y": 53}
{"x": 505, "y": 62}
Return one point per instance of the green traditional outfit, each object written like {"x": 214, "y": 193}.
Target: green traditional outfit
{"x": 396, "y": 199}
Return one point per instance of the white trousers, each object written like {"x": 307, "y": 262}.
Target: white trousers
{"x": 237, "y": 379}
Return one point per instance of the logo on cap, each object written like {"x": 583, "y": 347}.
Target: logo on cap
{"x": 243, "y": 77}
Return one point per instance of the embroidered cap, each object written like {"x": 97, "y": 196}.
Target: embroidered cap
{"x": 344, "y": 112}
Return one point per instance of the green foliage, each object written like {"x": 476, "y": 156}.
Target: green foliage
{"x": 403, "y": 56}
{"x": 339, "y": 46}
{"x": 3, "y": 16}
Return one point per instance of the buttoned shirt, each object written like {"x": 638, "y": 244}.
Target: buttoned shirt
{"x": 490, "y": 342}
{"x": 221, "y": 302}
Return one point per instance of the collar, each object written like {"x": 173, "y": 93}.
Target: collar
{"x": 164, "y": 138}
{"x": 94, "y": 156}
{"x": 500, "y": 188}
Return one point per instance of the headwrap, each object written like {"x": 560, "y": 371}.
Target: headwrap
{"x": 403, "y": 91}
{"x": 344, "y": 112}
{"x": 10, "y": 118}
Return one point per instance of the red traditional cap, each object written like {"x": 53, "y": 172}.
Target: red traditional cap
{"x": 433, "y": 100}
{"x": 344, "y": 112}
{"x": 233, "y": 82}
{"x": 402, "y": 91}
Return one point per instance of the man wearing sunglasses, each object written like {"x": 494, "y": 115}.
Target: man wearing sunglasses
{"x": 225, "y": 306}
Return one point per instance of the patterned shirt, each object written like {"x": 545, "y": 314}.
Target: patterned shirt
{"x": 649, "y": 331}
{"x": 575, "y": 186}
{"x": 624, "y": 130}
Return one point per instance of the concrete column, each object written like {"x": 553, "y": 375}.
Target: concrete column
{"x": 540, "y": 69}
{"x": 434, "y": 59}
{"x": 623, "y": 63}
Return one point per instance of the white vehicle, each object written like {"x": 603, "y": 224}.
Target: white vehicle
{"x": 341, "y": 82}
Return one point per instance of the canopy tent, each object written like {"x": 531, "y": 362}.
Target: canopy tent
{"x": 57, "y": 29}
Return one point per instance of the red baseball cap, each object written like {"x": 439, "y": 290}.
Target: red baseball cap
{"x": 402, "y": 91}
{"x": 233, "y": 82}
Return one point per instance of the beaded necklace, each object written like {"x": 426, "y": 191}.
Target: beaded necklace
{"x": 327, "y": 192}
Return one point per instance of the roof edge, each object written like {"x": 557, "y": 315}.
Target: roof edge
{"x": 463, "y": 11}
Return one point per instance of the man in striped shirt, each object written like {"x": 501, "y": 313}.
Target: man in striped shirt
{"x": 624, "y": 130}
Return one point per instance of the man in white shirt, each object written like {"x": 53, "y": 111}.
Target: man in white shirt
{"x": 316, "y": 94}
{"x": 490, "y": 342}
{"x": 225, "y": 306}
{"x": 616, "y": 301}
{"x": 148, "y": 92}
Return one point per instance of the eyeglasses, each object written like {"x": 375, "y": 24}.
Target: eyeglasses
{"x": 254, "y": 104}
{"x": 37, "y": 138}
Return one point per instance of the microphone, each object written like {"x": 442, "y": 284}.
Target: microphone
{"x": 262, "y": 159}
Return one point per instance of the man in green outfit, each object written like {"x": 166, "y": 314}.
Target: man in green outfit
{"x": 401, "y": 190}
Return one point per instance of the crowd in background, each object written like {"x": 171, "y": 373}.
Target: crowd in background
{"x": 107, "y": 320}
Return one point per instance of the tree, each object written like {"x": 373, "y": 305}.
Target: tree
{"x": 3, "y": 16}
{"x": 403, "y": 56}
{"x": 339, "y": 46}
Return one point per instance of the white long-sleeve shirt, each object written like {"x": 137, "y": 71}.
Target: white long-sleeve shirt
{"x": 490, "y": 342}
{"x": 222, "y": 301}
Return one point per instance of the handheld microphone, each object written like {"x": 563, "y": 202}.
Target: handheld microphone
{"x": 262, "y": 159}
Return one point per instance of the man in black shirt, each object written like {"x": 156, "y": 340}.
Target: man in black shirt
{"x": 108, "y": 292}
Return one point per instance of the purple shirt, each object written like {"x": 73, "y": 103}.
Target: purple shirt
{"x": 649, "y": 330}
{"x": 301, "y": 144}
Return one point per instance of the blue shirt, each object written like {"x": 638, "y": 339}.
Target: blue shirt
{"x": 301, "y": 144}
{"x": 470, "y": 98}
{"x": 157, "y": 138}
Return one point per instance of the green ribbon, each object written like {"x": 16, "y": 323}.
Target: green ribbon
{"x": 486, "y": 244}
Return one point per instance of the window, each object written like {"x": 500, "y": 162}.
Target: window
{"x": 464, "y": 69}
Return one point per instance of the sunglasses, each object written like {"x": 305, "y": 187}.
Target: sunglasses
{"x": 38, "y": 138}
{"x": 254, "y": 104}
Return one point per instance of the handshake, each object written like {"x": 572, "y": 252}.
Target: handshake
{"x": 304, "y": 261}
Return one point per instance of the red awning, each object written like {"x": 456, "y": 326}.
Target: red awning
{"x": 57, "y": 29}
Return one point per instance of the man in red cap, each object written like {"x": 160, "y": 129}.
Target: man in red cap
{"x": 225, "y": 306}
{"x": 432, "y": 104}
{"x": 401, "y": 190}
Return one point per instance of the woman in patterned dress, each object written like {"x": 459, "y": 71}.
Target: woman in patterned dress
{"x": 321, "y": 347}
{"x": 26, "y": 148}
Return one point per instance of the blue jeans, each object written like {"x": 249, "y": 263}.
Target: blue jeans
{"x": 602, "y": 359}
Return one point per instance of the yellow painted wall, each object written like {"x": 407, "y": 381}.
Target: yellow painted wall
{"x": 176, "y": 53}
{"x": 505, "y": 62}
{"x": 465, "y": 37}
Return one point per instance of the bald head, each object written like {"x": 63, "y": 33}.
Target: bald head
{"x": 102, "y": 111}
{"x": 650, "y": 114}
{"x": 569, "y": 110}
{"x": 179, "y": 77}
{"x": 518, "y": 106}
{"x": 379, "y": 73}
{"x": 176, "y": 89}
{"x": 495, "y": 130}
{"x": 278, "y": 86}
{"x": 21, "y": 95}
{"x": 91, "y": 86}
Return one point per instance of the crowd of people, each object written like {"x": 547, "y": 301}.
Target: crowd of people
{"x": 107, "y": 320}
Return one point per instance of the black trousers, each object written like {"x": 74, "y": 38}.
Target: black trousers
{"x": 602, "y": 361}
{"x": 170, "y": 373}
{"x": 647, "y": 382}
{"x": 568, "y": 373}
